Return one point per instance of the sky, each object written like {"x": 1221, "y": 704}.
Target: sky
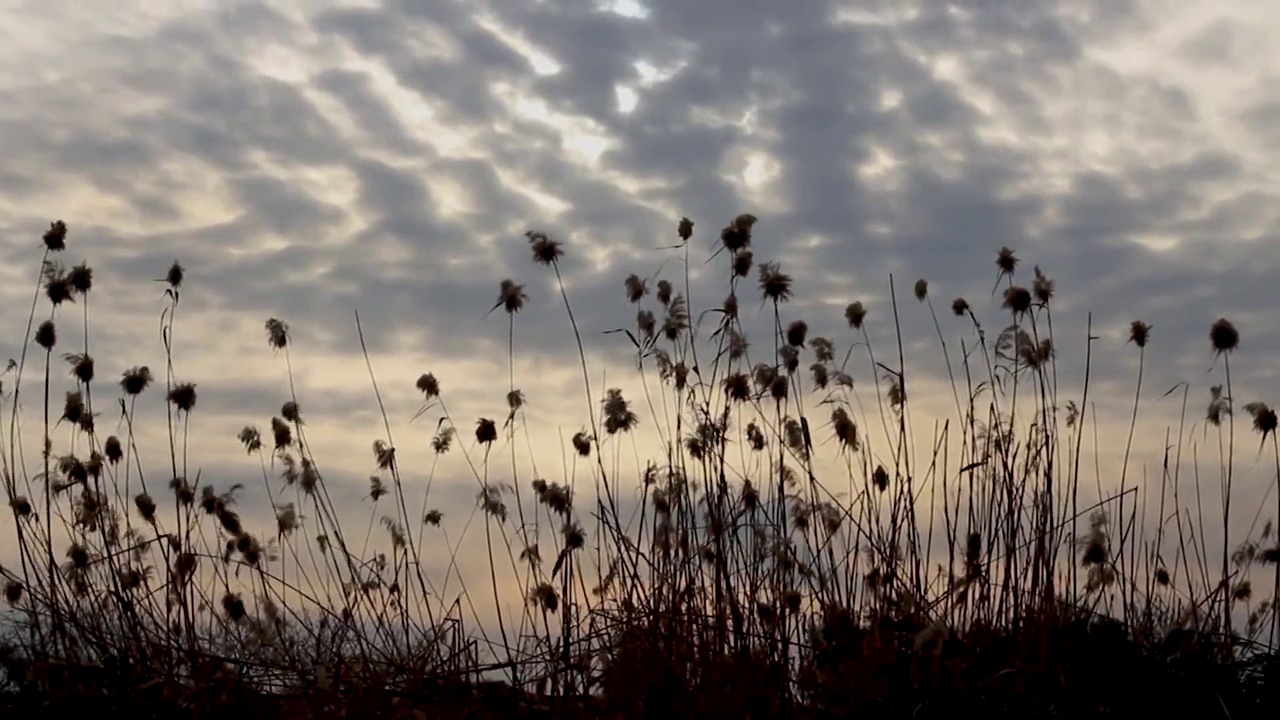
{"x": 305, "y": 161}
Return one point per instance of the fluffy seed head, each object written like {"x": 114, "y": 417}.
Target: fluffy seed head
{"x": 55, "y": 238}
{"x": 1224, "y": 336}
{"x": 47, "y": 335}
{"x": 855, "y": 313}
{"x": 921, "y": 289}
{"x": 1139, "y": 333}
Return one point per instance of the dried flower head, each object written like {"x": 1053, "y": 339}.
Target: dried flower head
{"x": 1264, "y": 418}
{"x": 921, "y": 289}
{"x": 428, "y": 385}
{"x": 511, "y": 297}
{"x": 544, "y": 596}
{"x": 664, "y": 292}
{"x": 183, "y": 396}
{"x": 55, "y": 238}
{"x": 233, "y": 606}
{"x": 774, "y": 284}
{"x": 684, "y": 229}
{"x": 1139, "y": 333}
{"x": 1224, "y": 336}
{"x": 636, "y": 288}
{"x": 738, "y": 387}
{"x": 545, "y": 250}
{"x": 1043, "y": 287}
{"x": 742, "y": 262}
{"x": 13, "y": 592}
{"x": 617, "y": 412}
{"x": 20, "y": 506}
{"x": 796, "y": 333}
{"x": 113, "y": 449}
{"x": 81, "y": 278}
{"x": 277, "y": 333}
{"x": 737, "y": 234}
{"x": 47, "y": 335}
{"x": 1006, "y": 261}
{"x": 289, "y": 410}
{"x": 135, "y": 380}
{"x": 855, "y": 313}
{"x": 1017, "y": 299}
{"x": 250, "y": 438}
{"x": 57, "y": 285}
{"x": 81, "y": 366}
{"x": 960, "y": 306}
{"x": 1218, "y": 405}
{"x": 433, "y": 518}
{"x": 880, "y": 478}
{"x": 582, "y": 443}
{"x": 486, "y": 431}
{"x": 174, "y": 275}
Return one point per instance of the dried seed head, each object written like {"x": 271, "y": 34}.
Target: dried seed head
{"x": 880, "y": 478}
{"x": 1224, "y": 336}
{"x": 21, "y": 506}
{"x": 646, "y": 324}
{"x": 789, "y": 355}
{"x": 1139, "y": 333}
{"x": 81, "y": 366}
{"x": 738, "y": 387}
{"x": 511, "y": 296}
{"x": 250, "y": 438}
{"x": 960, "y": 306}
{"x": 135, "y": 380}
{"x": 796, "y": 333}
{"x": 442, "y": 441}
{"x": 78, "y": 555}
{"x": 55, "y": 238}
{"x": 73, "y": 407}
{"x": 281, "y": 433}
{"x": 1017, "y": 299}
{"x": 113, "y": 449}
{"x": 730, "y": 307}
{"x": 486, "y": 431}
{"x": 289, "y": 411}
{"x": 664, "y": 292}
{"x": 277, "y": 333}
{"x": 174, "y": 275}
{"x": 774, "y": 284}
{"x": 778, "y": 388}
{"x": 81, "y": 278}
{"x": 1162, "y": 577}
{"x": 582, "y": 443}
{"x": 921, "y": 289}
{"x": 13, "y": 592}
{"x": 823, "y": 349}
{"x": 1006, "y": 261}
{"x": 544, "y": 596}
{"x": 636, "y": 288}
{"x": 57, "y": 286}
{"x": 428, "y": 385}
{"x": 685, "y": 229}
{"x": 846, "y": 430}
{"x": 233, "y": 606}
{"x": 820, "y": 375}
{"x": 742, "y": 262}
{"x": 1043, "y": 287}
{"x": 737, "y": 234}
{"x": 183, "y": 396}
{"x": 1264, "y": 418}
{"x": 47, "y": 335}
{"x": 545, "y": 250}
{"x": 433, "y": 518}
{"x": 855, "y": 313}
{"x": 617, "y": 412}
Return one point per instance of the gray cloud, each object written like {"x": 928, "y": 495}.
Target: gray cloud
{"x": 302, "y": 165}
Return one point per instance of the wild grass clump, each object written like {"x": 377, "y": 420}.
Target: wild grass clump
{"x": 808, "y": 527}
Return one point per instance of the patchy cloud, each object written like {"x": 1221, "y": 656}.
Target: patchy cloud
{"x": 304, "y": 163}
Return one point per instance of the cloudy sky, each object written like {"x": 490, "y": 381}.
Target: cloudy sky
{"x": 307, "y": 160}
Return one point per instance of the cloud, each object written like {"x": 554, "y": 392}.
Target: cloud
{"x": 305, "y": 163}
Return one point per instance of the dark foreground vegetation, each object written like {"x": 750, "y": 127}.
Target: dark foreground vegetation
{"x": 802, "y": 544}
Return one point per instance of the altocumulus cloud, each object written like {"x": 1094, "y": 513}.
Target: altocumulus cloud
{"x": 306, "y": 159}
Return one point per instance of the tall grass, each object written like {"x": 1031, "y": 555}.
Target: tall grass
{"x": 807, "y": 538}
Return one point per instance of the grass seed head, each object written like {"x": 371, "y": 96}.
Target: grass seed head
{"x": 183, "y": 396}
{"x": 428, "y": 385}
{"x": 175, "y": 274}
{"x": 1224, "y": 336}
{"x": 511, "y": 296}
{"x": 742, "y": 263}
{"x": 81, "y": 366}
{"x": 775, "y": 285}
{"x": 796, "y": 333}
{"x": 684, "y": 229}
{"x": 1017, "y": 299}
{"x": 47, "y": 335}
{"x": 855, "y": 313}
{"x": 921, "y": 289}
{"x": 55, "y": 238}
{"x": 135, "y": 380}
{"x": 664, "y": 292}
{"x": 113, "y": 449}
{"x": 81, "y": 278}
{"x": 1043, "y": 287}
{"x": 545, "y": 250}
{"x": 1006, "y": 261}
{"x": 1139, "y": 333}
{"x": 486, "y": 431}
{"x": 960, "y": 306}
{"x": 636, "y": 288}
{"x": 277, "y": 333}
